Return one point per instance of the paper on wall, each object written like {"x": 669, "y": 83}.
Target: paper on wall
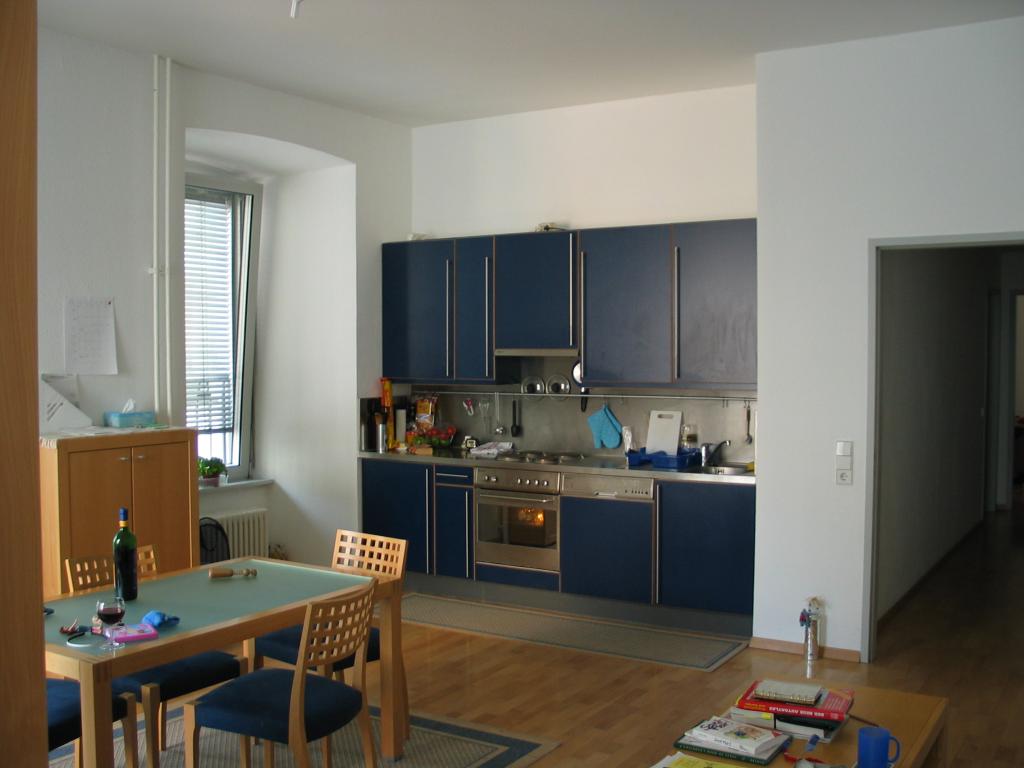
{"x": 90, "y": 341}
{"x": 56, "y": 413}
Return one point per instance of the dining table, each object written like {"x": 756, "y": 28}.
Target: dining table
{"x": 215, "y": 614}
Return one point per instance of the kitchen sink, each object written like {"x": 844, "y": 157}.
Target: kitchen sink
{"x": 726, "y": 469}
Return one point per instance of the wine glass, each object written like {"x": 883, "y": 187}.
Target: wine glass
{"x": 110, "y": 611}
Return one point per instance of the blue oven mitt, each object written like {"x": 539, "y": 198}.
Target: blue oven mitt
{"x": 159, "y": 619}
{"x": 606, "y": 429}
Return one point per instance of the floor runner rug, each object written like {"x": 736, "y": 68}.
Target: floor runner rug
{"x": 633, "y": 641}
{"x": 433, "y": 743}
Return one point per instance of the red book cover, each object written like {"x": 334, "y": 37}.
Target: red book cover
{"x": 834, "y": 705}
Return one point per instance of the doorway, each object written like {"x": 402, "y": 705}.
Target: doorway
{"x": 944, "y": 406}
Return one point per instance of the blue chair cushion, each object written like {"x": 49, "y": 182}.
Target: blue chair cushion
{"x": 181, "y": 677}
{"x": 283, "y": 645}
{"x": 63, "y": 713}
{"x": 257, "y": 705}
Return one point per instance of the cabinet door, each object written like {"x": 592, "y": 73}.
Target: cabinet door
{"x": 629, "y": 305}
{"x": 397, "y": 503}
{"x": 534, "y": 291}
{"x": 706, "y": 546}
{"x": 717, "y": 304}
{"x": 416, "y": 307}
{"x": 99, "y": 484}
{"x": 474, "y": 278}
{"x": 161, "y": 492}
{"x": 453, "y": 531}
{"x": 606, "y": 548}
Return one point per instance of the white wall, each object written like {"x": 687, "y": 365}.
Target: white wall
{"x": 684, "y": 156}
{"x": 95, "y": 206}
{"x": 307, "y": 342}
{"x": 913, "y": 135}
{"x": 933, "y": 375}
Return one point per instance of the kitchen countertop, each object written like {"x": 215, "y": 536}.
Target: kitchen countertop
{"x": 592, "y": 465}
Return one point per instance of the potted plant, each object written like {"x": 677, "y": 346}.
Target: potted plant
{"x": 212, "y": 472}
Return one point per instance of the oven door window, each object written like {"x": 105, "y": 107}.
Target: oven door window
{"x": 516, "y": 530}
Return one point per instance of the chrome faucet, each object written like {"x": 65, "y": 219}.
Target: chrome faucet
{"x": 709, "y": 453}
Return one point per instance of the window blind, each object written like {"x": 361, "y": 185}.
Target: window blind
{"x": 210, "y": 310}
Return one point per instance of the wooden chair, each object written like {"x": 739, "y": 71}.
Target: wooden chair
{"x": 294, "y": 707}
{"x": 88, "y": 572}
{"x": 147, "y": 561}
{"x": 64, "y": 719}
{"x": 155, "y": 686}
{"x": 369, "y": 554}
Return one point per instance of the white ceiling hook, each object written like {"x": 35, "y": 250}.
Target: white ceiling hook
{"x": 295, "y": 8}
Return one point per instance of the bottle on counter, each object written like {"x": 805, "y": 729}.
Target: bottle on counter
{"x": 126, "y": 560}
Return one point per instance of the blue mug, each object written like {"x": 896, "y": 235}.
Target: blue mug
{"x": 873, "y": 748}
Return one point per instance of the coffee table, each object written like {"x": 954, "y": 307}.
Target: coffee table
{"x": 216, "y": 614}
{"x": 917, "y": 720}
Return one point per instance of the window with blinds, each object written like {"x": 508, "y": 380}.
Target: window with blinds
{"x": 217, "y": 245}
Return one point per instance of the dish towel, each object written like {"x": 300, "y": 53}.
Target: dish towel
{"x": 606, "y": 429}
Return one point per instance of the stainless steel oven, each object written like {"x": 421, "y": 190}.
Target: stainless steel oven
{"x": 517, "y": 517}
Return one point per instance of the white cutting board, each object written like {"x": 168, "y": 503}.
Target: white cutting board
{"x": 663, "y": 432}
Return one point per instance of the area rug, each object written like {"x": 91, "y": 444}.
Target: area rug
{"x": 633, "y": 641}
{"x": 434, "y": 742}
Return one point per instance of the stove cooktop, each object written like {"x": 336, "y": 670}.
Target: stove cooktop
{"x": 538, "y": 457}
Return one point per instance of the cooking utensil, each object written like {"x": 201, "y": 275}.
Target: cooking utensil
{"x": 515, "y": 430}
{"x": 663, "y": 432}
{"x": 558, "y": 385}
{"x": 749, "y": 438}
{"x": 532, "y": 385}
{"x": 577, "y": 376}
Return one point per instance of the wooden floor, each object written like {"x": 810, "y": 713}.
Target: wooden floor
{"x": 960, "y": 635}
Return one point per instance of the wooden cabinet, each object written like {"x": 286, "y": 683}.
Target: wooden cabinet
{"x": 605, "y": 548}
{"x": 706, "y": 546}
{"x": 535, "y": 303}
{"x": 453, "y": 523}
{"x": 717, "y": 304}
{"x": 398, "y": 502}
{"x": 85, "y": 480}
{"x": 628, "y": 276}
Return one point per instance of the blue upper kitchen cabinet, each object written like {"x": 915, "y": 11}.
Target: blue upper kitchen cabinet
{"x": 717, "y": 304}
{"x": 416, "y": 308}
{"x": 629, "y": 305}
{"x": 535, "y": 293}
{"x": 605, "y": 548}
{"x": 473, "y": 320}
{"x": 397, "y": 502}
{"x": 706, "y": 546}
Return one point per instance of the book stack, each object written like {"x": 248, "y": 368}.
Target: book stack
{"x": 724, "y": 737}
{"x": 806, "y": 711}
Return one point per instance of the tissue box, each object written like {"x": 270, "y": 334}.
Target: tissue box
{"x": 131, "y": 419}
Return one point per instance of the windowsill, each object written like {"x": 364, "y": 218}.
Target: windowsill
{"x": 238, "y": 485}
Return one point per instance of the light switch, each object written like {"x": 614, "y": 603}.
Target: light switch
{"x": 844, "y": 448}
{"x": 844, "y": 462}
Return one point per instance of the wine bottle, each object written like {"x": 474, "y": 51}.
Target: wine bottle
{"x": 126, "y": 561}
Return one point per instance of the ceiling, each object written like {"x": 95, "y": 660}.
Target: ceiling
{"x": 419, "y": 62}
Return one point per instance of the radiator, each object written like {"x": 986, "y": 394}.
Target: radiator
{"x": 247, "y": 531}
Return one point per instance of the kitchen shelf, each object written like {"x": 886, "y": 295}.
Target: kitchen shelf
{"x": 592, "y": 394}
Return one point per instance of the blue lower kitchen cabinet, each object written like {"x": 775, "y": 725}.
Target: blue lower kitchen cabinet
{"x": 453, "y": 531}
{"x": 606, "y": 548}
{"x": 397, "y": 502}
{"x": 706, "y": 546}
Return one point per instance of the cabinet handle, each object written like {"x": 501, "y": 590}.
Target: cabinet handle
{"x": 123, "y": 458}
{"x": 426, "y": 520}
{"x": 571, "y": 307}
{"x": 140, "y": 456}
{"x": 487, "y": 316}
{"x": 450, "y": 474}
{"x": 583, "y": 316}
{"x": 675, "y": 313}
{"x": 657, "y": 548}
{"x": 447, "y": 316}
{"x": 466, "y": 497}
